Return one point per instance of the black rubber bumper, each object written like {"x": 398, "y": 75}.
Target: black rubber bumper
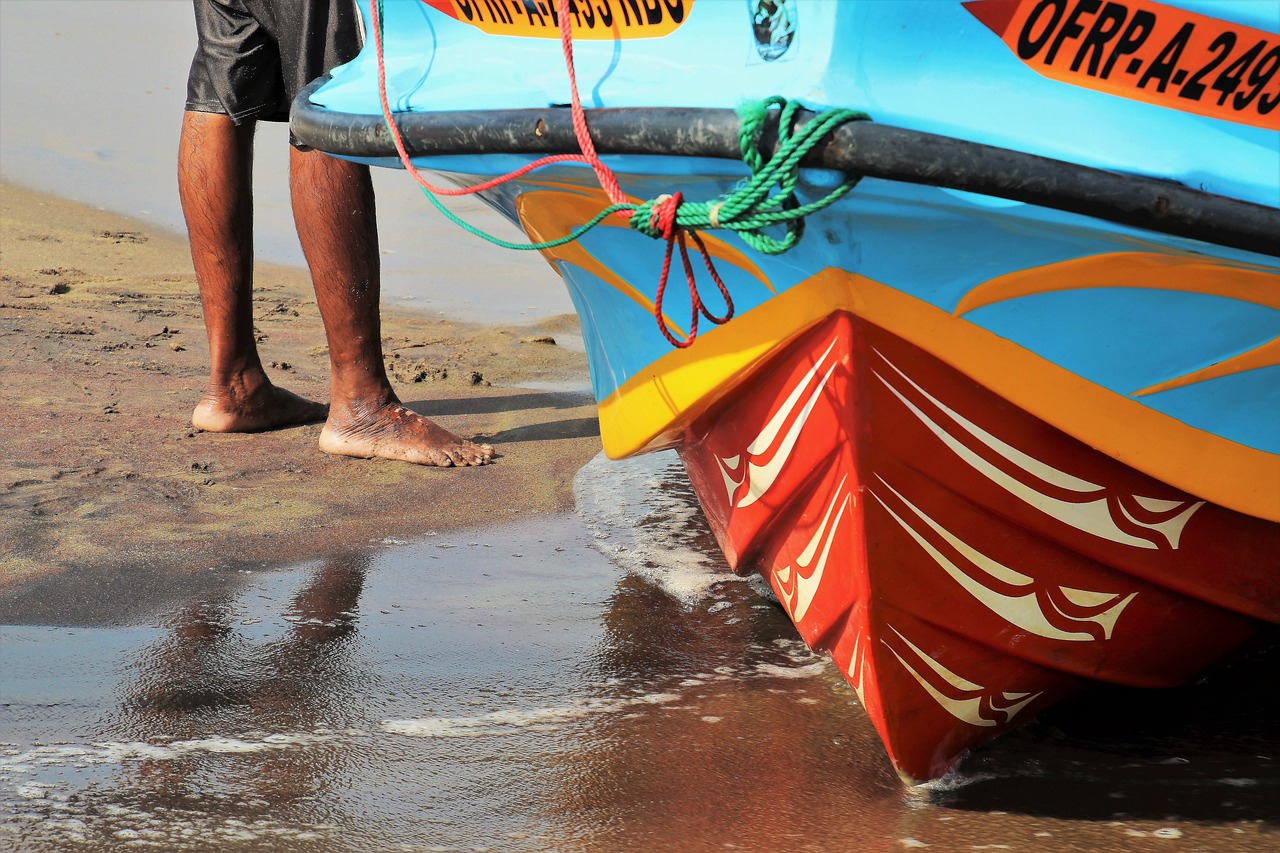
{"x": 858, "y": 147}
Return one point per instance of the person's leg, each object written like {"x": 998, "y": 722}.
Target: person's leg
{"x": 333, "y": 209}
{"x": 215, "y": 174}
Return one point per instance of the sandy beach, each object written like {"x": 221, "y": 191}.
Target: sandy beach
{"x": 104, "y": 356}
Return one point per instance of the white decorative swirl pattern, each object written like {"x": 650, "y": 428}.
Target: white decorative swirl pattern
{"x": 968, "y": 702}
{"x": 958, "y": 696}
{"x": 798, "y": 588}
{"x": 772, "y": 442}
{"x": 1092, "y": 508}
{"x": 981, "y": 576}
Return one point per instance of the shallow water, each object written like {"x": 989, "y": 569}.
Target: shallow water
{"x": 573, "y": 683}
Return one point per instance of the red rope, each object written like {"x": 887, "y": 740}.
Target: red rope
{"x": 407, "y": 162}
{"x": 608, "y": 181}
{"x": 663, "y": 217}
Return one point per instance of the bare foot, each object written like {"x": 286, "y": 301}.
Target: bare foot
{"x": 223, "y": 409}
{"x": 394, "y": 432}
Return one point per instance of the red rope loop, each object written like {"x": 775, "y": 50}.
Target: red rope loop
{"x": 662, "y": 219}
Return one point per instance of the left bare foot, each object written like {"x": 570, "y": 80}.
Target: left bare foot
{"x": 394, "y": 432}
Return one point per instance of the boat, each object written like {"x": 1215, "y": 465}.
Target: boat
{"x": 986, "y": 385}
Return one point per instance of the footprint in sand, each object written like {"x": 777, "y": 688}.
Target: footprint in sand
{"x": 122, "y": 236}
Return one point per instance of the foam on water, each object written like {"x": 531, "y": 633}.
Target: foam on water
{"x": 811, "y": 671}
{"x": 513, "y": 720}
{"x": 45, "y": 794}
{"x": 646, "y": 519}
{"x": 113, "y": 752}
{"x": 788, "y": 660}
{"x": 167, "y": 829}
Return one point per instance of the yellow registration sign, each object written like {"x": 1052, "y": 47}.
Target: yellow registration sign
{"x": 590, "y": 19}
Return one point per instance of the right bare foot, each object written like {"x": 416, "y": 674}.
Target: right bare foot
{"x": 393, "y": 431}
{"x": 266, "y": 407}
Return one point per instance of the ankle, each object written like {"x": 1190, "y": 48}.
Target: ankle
{"x": 347, "y": 406}
{"x": 238, "y": 386}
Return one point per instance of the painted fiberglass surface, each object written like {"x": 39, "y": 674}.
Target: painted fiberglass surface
{"x": 931, "y": 66}
{"x": 938, "y": 247}
{"x": 927, "y": 65}
{"x": 1129, "y": 339}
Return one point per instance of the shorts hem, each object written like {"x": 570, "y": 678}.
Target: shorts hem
{"x": 266, "y": 112}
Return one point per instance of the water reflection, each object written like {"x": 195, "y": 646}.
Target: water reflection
{"x": 212, "y": 675}
{"x": 760, "y": 746}
{"x": 209, "y": 671}
{"x": 510, "y": 688}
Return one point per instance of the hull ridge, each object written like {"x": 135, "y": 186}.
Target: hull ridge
{"x": 963, "y": 563}
{"x": 1005, "y": 425}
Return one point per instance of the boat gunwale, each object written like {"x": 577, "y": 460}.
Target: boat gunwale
{"x": 864, "y": 148}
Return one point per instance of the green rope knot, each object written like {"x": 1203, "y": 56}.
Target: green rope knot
{"x": 768, "y": 197}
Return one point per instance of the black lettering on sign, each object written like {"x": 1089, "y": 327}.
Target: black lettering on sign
{"x": 1072, "y": 28}
{"x": 498, "y": 11}
{"x": 1133, "y": 37}
{"x": 1029, "y": 45}
{"x": 634, "y": 8}
{"x": 539, "y": 10}
{"x": 604, "y": 13}
{"x": 1221, "y": 46}
{"x": 1145, "y": 50}
{"x": 1165, "y": 65}
{"x": 1262, "y": 74}
{"x": 583, "y": 15}
{"x": 1104, "y": 29}
{"x": 1230, "y": 78}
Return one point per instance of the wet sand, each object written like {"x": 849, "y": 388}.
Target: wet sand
{"x": 104, "y": 356}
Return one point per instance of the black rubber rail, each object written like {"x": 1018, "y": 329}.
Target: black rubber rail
{"x": 858, "y": 147}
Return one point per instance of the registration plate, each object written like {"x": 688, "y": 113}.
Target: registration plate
{"x": 589, "y": 19}
{"x": 1145, "y": 51}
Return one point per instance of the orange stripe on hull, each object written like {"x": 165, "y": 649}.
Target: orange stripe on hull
{"x": 656, "y": 407}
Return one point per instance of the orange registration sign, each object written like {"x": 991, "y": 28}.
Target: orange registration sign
{"x": 1145, "y": 51}
{"x": 590, "y": 19}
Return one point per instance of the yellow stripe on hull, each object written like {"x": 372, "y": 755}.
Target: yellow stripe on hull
{"x": 655, "y": 407}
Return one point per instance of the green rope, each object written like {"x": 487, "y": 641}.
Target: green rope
{"x": 749, "y": 208}
{"x": 507, "y": 244}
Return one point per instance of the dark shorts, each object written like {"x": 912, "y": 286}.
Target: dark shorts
{"x": 254, "y": 56}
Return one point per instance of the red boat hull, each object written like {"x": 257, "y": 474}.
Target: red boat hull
{"x": 965, "y": 564}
